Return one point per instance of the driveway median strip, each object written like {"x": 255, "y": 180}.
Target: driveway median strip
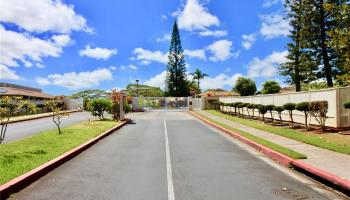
{"x": 25, "y": 179}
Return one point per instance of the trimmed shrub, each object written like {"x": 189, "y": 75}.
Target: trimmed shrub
{"x": 240, "y": 105}
{"x": 235, "y": 106}
{"x": 262, "y": 110}
{"x": 279, "y": 110}
{"x": 319, "y": 110}
{"x": 250, "y": 106}
{"x": 97, "y": 107}
{"x": 270, "y": 109}
{"x": 347, "y": 105}
{"x": 304, "y": 107}
{"x": 245, "y": 105}
{"x": 290, "y": 107}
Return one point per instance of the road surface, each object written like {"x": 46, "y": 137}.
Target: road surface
{"x": 167, "y": 156}
{"x": 19, "y": 130}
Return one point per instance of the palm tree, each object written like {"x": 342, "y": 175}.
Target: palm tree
{"x": 198, "y": 75}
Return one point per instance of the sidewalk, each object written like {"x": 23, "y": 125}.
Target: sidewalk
{"x": 333, "y": 162}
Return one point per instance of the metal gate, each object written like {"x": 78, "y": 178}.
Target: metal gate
{"x": 151, "y": 103}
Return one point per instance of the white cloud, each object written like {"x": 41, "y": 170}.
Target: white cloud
{"x": 7, "y": 74}
{"x": 157, "y": 81}
{"x": 62, "y": 40}
{"x": 248, "y": 40}
{"x": 131, "y": 67}
{"x": 269, "y": 3}
{"x": 24, "y": 47}
{"x": 74, "y": 80}
{"x": 147, "y": 56}
{"x": 164, "y": 17}
{"x": 219, "y": 81}
{"x": 164, "y": 38}
{"x": 195, "y": 16}
{"x": 112, "y": 68}
{"x": 39, "y": 65}
{"x": 198, "y": 53}
{"x": 221, "y": 50}
{"x": 266, "y": 67}
{"x": 42, "y": 15}
{"x": 217, "y": 33}
{"x": 98, "y": 53}
{"x": 274, "y": 25}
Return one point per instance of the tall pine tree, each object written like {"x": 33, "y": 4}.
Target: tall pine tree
{"x": 176, "y": 82}
{"x": 299, "y": 68}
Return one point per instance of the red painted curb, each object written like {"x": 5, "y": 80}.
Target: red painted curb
{"x": 343, "y": 184}
{"x": 20, "y": 182}
{"x": 334, "y": 179}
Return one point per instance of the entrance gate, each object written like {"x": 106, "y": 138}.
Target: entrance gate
{"x": 165, "y": 103}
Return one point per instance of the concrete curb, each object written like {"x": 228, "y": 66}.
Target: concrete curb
{"x": 22, "y": 181}
{"x": 39, "y": 117}
{"x": 336, "y": 182}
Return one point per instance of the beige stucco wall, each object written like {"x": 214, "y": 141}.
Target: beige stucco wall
{"x": 338, "y": 116}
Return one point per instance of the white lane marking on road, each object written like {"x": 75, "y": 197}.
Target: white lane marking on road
{"x": 171, "y": 195}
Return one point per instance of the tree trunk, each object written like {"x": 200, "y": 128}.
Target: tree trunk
{"x": 297, "y": 78}
{"x": 326, "y": 63}
{"x": 305, "y": 120}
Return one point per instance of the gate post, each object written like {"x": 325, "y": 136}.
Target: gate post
{"x": 190, "y": 103}
{"x": 121, "y": 106}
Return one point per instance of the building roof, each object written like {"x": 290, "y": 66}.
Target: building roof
{"x": 7, "y": 89}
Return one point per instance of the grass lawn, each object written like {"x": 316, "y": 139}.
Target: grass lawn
{"x": 21, "y": 156}
{"x": 331, "y": 141}
{"x": 266, "y": 143}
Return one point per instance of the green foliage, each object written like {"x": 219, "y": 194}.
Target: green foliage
{"x": 289, "y": 106}
{"x": 250, "y": 106}
{"x": 304, "y": 107}
{"x": 9, "y": 106}
{"x": 197, "y": 76}
{"x": 279, "y": 110}
{"x": 176, "y": 82}
{"x": 270, "y": 87}
{"x": 144, "y": 90}
{"x": 319, "y": 110}
{"x": 245, "y": 86}
{"x": 115, "y": 109}
{"x": 347, "y": 105}
{"x": 97, "y": 107}
{"x": 86, "y": 93}
{"x": 262, "y": 110}
{"x": 55, "y": 106}
{"x": 270, "y": 107}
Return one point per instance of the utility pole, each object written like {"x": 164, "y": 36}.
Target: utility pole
{"x": 137, "y": 88}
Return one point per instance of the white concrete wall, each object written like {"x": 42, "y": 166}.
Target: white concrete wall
{"x": 338, "y": 116}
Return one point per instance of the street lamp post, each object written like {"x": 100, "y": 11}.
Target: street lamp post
{"x": 137, "y": 88}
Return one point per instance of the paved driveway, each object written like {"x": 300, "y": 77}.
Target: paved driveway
{"x": 19, "y": 130}
{"x": 170, "y": 155}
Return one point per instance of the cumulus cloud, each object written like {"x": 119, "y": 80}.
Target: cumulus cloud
{"x": 221, "y": 50}
{"x": 112, "y": 68}
{"x": 217, "y": 33}
{"x": 219, "y": 81}
{"x": 42, "y": 15}
{"x": 198, "y": 53}
{"x": 147, "y": 56}
{"x": 195, "y": 16}
{"x": 77, "y": 80}
{"x": 274, "y": 25}
{"x": 268, "y": 66}
{"x": 25, "y": 48}
{"x": 98, "y": 52}
{"x": 7, "y": 74}
{"x": 131, "y": 67}
{"x": 157, "y": 81}
{"x": 248, "y": 40}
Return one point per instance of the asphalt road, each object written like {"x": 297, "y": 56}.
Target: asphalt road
{"x": 170, "y": 155}
{"x": 19, "y": 130}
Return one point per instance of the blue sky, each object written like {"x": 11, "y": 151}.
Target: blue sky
{"x": 67, "y": 46}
